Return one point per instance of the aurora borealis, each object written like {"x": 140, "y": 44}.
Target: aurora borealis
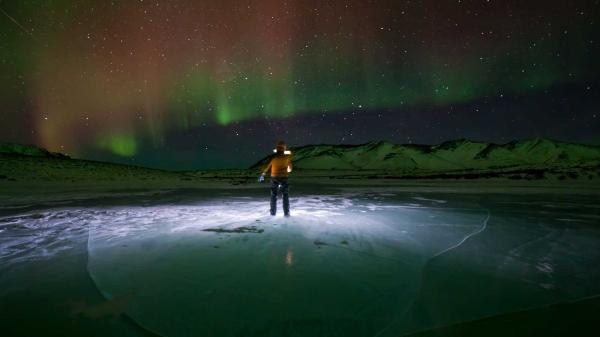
{"x": 210, "y": 84}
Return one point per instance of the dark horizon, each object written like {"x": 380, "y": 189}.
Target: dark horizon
{"x": 502, "y": 120}
{"x": 260, "y": 160}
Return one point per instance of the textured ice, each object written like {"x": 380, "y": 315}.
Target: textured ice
{"x": 353, "y": 264}
{"x": 365, "y": 264}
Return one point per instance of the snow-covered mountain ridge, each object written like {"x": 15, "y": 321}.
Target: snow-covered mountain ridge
{"x": 456, "y": 155}
{"x": 28, "y": 150}
{"x": 529, "y": 159}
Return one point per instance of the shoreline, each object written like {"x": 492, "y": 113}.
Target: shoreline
{"x": 15, "y": 194}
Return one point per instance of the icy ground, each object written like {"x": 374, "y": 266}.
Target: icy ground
{"x": 353, "y": 263}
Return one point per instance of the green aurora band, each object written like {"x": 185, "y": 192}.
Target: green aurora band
{"x": 120, "y": 72}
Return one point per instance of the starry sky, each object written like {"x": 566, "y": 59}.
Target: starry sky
{"x": 197, "y": 84}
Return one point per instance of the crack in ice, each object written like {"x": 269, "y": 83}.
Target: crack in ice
{"x": 481, "y": 229}
{"x": 478, "y": 231}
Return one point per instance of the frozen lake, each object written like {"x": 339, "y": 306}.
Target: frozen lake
{"x": 347, "y": 263}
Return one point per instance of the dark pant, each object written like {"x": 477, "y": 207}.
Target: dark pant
{"x": 279, "y": 184}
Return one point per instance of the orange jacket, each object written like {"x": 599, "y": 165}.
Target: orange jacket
{"x": 280, "y": 164}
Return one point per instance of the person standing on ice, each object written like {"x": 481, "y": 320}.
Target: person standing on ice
{"x": 281, "y": 166}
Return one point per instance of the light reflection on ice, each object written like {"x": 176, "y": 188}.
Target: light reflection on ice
{"x": 432, "y": 200}
{"x": 367, "y": 261}
{"x": 40, "y": 235}
{"x": 350, "y": 256}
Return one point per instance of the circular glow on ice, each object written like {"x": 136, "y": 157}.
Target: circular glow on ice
{"x": 342, "y": 265}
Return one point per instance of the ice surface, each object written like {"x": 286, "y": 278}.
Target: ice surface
{"x": 360, "y": 264}
{"x": 40, "y": 235}
{"x": 357, "y": 263}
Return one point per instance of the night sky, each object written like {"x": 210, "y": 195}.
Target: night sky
{"x": 213, "y": 84}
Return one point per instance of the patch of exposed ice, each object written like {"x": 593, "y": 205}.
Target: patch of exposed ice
{"x": 439, "y": 201}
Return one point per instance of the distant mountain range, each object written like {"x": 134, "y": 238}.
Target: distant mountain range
{"x": 528, "y": 159}
{"x": 455, "y": 155}
{"x": 28, "y": 150}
